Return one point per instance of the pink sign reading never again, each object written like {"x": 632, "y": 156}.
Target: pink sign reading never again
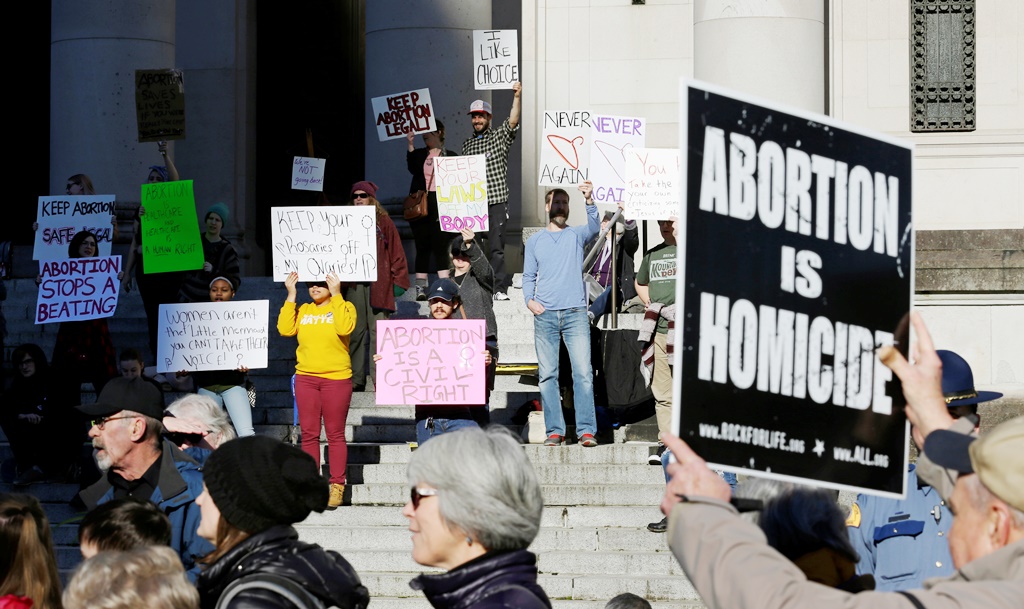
{"x": 431, "y": 361}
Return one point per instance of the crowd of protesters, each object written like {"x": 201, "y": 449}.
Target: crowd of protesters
{"x": 190, "y": 509}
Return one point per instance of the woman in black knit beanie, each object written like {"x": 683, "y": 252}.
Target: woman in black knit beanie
{"x": 255, "y": 488}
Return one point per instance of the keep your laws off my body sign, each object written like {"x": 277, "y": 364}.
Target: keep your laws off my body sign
{"x": 314, "y": 241}
{"x": 797, "y": 258}
{"x": 213, "y": 335}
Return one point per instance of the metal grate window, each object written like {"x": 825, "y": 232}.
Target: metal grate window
{"x": 943, "y": 63}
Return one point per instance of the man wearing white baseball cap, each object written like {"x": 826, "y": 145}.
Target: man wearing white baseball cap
{"x": 495, "y": 144}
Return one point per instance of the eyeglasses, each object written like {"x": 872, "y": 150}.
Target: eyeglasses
{"x": 361, "y": 195}
{"x": 439, "y": 299}
{"x": 26, "y": 361}
{"x": 101, "y": 422}
{"x": 415, "y": 494}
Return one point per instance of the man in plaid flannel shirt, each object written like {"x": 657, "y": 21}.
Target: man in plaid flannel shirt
{"x": 495, "y": 144}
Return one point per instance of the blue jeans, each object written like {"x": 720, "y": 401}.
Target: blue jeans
{"x": 429, "y": 427}
{"x": 236, "y": 401}
{"x": 573, "y": 327}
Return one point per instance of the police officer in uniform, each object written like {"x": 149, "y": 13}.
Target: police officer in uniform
{"x": 903, "y": 543}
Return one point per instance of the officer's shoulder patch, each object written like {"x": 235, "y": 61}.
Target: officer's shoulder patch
{"x": 853, "y": 520}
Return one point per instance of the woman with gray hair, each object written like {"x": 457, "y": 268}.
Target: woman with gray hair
{"x": 475, "y": 506}
{"x": 197, "y": 425}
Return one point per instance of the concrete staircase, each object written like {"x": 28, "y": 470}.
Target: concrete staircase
{"x": 593, "y": 542}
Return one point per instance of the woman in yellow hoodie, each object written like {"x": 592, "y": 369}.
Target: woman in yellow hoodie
{"x": 323, "y": 370}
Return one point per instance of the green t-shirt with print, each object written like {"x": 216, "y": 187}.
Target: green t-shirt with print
{"x": 658, "y": 273}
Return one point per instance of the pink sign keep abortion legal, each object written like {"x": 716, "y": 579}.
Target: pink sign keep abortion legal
{"x": 461, "y": 184}
{"x": 431, "y": 361}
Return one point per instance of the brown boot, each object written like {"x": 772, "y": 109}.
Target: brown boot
{"x": 337, "y": 493}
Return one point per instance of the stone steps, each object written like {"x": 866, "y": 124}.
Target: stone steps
{"x": 593, "y": 542}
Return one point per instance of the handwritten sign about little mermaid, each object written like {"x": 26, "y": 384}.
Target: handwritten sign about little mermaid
{"x": 431, "y": 361}
{"x": 461, "y": 192}
{"x": 308, "y": 173}
{"x": 60, "y": 217}
{"x": 160, "y": 104}
{"x": 495, "y": 59}
{"x": 314, "y": 241}
{"x": 170, "y": 228}
{"x": 652, "y": 183}
{"x": 77, "y": 289}
{"x": 213, "y": 335}
{"x": 401, "y": 113}
{"x": 796, "y": 263}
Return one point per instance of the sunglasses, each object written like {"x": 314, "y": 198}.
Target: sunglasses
{"x": 361, "y": 195}
{"x": 178, "y": 438}
{"x": 415, "y": 494}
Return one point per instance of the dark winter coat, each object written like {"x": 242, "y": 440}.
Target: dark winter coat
{"x": 495, "y": 580}
{"x": 278, "y": 551}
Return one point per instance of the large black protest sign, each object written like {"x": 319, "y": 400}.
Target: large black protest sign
{"x": 798, "y": 263}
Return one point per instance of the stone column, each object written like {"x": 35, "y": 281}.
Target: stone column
{"x": 96, "y": 47}
{"x": 771, "y": 48}
{"x": 413, "y": 45}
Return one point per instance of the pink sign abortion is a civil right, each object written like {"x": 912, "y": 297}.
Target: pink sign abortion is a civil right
{"x": 431, "y": 361}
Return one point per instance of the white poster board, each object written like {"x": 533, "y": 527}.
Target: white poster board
{"x": 611, "y": 138}
{"x": 77, "y": 289}
{"x": 565, "y": 148}
{"x": 62, "y": 216}
{"x": 652, "y": 183}
{"x": 397, "y": 114}
{"x": 495, "y": 59}
{"x": 308, "y": 173}
{"x": 314, "y": 241}
{"x": 461, "y": 184}
{"x": 213, "y": 335}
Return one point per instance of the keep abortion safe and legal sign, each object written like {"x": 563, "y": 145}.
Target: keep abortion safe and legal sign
{"x": 797, "y": 257}
{"x": 60, "y": 217}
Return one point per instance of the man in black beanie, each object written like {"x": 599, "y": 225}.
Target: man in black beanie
{"x": 256, "y": 489}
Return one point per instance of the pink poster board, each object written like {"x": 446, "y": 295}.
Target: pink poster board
{"x": 431, "y": 361}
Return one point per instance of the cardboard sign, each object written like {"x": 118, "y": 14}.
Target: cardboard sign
{"x": 170, "y": 228}
{"x": 495, "y": 59}
{"x": 77, "y": 289}
{"x": 652, "y": 183}
{"x": 60, "y": 217}
{"x": 612, "y": 138}
{"x": 160, "y": 104}
{"x": 565, "y": 148}
{"x": 431, "y": 361}
{"x": 798, "y": 257}
{"x": 314, "y": 241}
{"x": 401, "y": 113}
{"x": 308, "y": 173}
{"x": 461, "y": 184}
{"x": 213, "y": 335}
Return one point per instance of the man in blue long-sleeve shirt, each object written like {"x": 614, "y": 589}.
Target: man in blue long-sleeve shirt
{"x": 556, "y": 295}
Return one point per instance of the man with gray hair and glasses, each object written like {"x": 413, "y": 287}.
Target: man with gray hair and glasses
{"x": 138, "y": 462}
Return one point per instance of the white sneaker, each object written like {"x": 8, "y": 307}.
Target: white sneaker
{"x": 501, "y": 296}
